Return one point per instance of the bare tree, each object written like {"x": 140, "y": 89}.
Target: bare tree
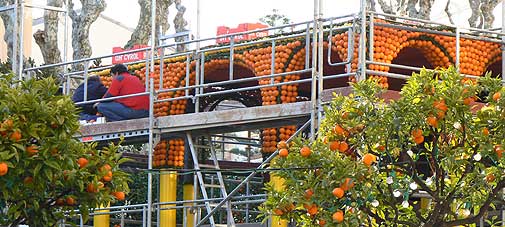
{"x": 47, "y": 39}
{"x": 142, "y": 32}
{"x": 180, "y": 24}
{"x": 9, "y": 23}
{"x": 81, "y": 23}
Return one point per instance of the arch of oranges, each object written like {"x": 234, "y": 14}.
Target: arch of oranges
{"x": 439, "y": 50}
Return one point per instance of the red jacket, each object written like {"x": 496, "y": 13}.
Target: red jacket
{"x": 126, "y": 84}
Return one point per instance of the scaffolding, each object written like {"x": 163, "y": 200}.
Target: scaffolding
{"x": 353, "y": 58}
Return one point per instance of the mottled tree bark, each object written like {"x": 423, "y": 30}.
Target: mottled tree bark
{"x": 482, "y": 13}
{"x": 47, "y": 39}
{"x": 487, "y": 8}
{"x": 424, "y": 8}
{"x": 180, "y": 24}
{"x": 142, "y": 32}
{"x": 448, "y": 12}
{"x": 386, "y": 7}
{"x": 81, "y": 23}
{"x": 476, "y": 16}
{"x": 8, "y": 21}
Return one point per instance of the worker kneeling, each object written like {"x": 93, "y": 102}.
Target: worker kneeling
{"x": 123, "y": 83}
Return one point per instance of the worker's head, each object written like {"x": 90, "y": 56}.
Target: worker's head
{"x": 93, "y": 78}
{"x": 118, "y": 69}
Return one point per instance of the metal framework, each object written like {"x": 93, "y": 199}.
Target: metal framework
{"x": 307, "y": 114}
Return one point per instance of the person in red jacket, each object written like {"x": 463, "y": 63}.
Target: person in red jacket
{"x": 123, "y": 83}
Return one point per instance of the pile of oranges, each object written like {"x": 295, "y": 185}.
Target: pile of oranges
{"x": 169, "y": 153}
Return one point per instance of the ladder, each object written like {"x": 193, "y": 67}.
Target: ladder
{"x": 204, "y": 186}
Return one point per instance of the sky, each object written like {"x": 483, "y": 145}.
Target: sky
{"x": 230, "y": 13}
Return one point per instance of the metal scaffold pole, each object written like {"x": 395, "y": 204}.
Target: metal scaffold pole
{"x": 151, "y": 116}
{"x": 313, "y": 112}
{"x": 362, "y": 46}
{"x": 503, "y": 46}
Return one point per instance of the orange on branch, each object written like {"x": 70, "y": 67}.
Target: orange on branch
{"x": 305, "y": 151}
{"x": 338, "y": 216}
{"x": 3, "y": 168}
{"x": 338, "y": 192}
{"x": 283, "y": 152}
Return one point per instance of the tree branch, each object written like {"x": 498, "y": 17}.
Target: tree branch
{"x": 483, "y": 209}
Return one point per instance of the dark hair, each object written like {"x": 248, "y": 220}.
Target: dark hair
{"x": 93, "y": 77}
{"x": 119, "y": 68}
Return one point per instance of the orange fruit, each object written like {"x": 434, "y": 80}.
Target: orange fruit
{"x": 308, "y": 193}
{"x": 338, "y": 192}
{"x": 278, "y": 212}
{"x": 417, "y": 132}
{"x": 432, "y": 121}
{"x": 16, "y": 136}
{"x": 70, "y": 201}
{"x": 490, "y": 177}
{"x": 105, "y": 167}
{"x": 3, "y": 168}
{"x": 343, "y": 146}
{"x": 368, "y": 159}
{"x": 32, "y": 150}
{"x": 283, "y": 152}
{"x": 60, "y": 202}
{"x": 338, "y": 216}
{"x": 313, "y": 209}
{"x": 82, "y": 162}
{"x": 347, "y": 184}
{"x": 468, "y": 101}
{"x": 108, "y": 176}
{"x": 91, "y": 188}
{"x": 305, "y": 151}
{"x": 28, "y": 180}
{"x": 8, "y": 123}
{"x": 496, "y": 96}
{"x": 282, "y": 144}
{"x": 334, "y": 145}
{"x": 339, "y": 130}
{"x": 419, "y": 140}
{"x": 498, "y": 150}
{"x": 322, "y": 222}
{"x": 119, "y": 195}
{"x": 485, "y": 131}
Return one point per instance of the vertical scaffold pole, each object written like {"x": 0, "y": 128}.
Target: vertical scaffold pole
{"x": 362, "y": 45}
{"x": 15, "y": 37}
{"x": 320, "y": 56}
{"x": 503, "y": 56}
{"x": 21, "y": 35}
{"x": 313, "y": 109}
{"x": 151, "y": 120}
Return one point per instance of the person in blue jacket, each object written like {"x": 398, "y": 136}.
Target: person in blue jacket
{"x": 96, "y": 90}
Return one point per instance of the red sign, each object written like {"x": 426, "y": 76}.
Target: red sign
{"x": 136, "y": 56}
{"x": 223, "y": 30}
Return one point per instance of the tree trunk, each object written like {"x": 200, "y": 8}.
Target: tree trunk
{"x": 487, "y": 8}
{"x": 47, "y": 40}
{"x": 386, "y": 8}
{"x": 142, "y": 32}
{"x": 180, "y": 24}
{"x": 475, "y": 17}
{"x": 81, "y": 23}
{"x": 8, "y": 21}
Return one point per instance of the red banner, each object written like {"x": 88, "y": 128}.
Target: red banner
{"x": 123, "y": 58}
{"x": 223, "y": 30}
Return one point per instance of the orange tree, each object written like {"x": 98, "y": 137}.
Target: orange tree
{"x": 45, "y": 173}
{"x": 371, "y": 158}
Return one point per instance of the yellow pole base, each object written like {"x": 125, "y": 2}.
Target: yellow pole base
{"x": 168, "y": 193}
{"x": 102, "y": 220}
{"x": 189, "y": 194}
{"x": 278, "y": 185}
